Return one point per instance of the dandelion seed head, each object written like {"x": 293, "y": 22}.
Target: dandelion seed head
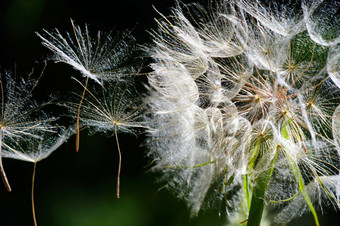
{"x": 237, "y": 87}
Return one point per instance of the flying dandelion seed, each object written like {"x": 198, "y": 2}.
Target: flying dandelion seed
{"x": 21, "y": 116}
{"x": 243, "y": 107}
{"x": 333, "y": 64}
{"x": 38, "y": 148}
{"x": 101, "y": 58}
{"x": 113, "y": 108}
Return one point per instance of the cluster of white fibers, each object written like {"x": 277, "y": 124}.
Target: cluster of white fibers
{"x": 21, "y": 117}
{"x": 241, "y": 88}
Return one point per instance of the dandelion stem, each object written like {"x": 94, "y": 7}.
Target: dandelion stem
{"x": 258, "y": 195}
{"x": 120, "y": 161}
{"x": 78, "y": 114}
{"x": 246, "y": 190}
{"x": 32, "y": 194}
{"x": 3, "y": 174}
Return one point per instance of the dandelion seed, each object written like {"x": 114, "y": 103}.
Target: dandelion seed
{"x": 323, "y": 23}
{"x": 250, "y": 118}
{"x": 336, "y": 133}
{"x": 336, "y": 127}
{"x": 220, "y": 40}
{"x": 102, "y": 58}
{"x": 298, "y": 206}
{"x": 112, "y": 108}
{"x": 282, "y": 18}
{"x": 333, "y": 64}
{"x": 19, "y": 113}
{"x": 38, "y": 148}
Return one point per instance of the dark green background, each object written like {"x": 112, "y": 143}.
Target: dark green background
{"x": 78, "y": 189}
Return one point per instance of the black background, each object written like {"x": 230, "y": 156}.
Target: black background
{"x": 79, "y": 188}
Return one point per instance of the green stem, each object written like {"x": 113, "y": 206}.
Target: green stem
{"x": 246, "y": 190}
{"x": 258, "y": 195}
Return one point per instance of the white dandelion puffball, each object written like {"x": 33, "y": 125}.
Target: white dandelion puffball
{"x": 241, "y": 89}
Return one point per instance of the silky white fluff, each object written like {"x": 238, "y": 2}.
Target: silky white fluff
{"x": 102, "y": 57}
{"x": 234, "y": 86}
